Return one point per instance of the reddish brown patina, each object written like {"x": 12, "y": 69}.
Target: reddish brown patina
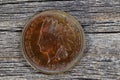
{"x": 52, "y": 41}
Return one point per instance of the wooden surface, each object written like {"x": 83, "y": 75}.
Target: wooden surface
{"x": 100, "y": 20}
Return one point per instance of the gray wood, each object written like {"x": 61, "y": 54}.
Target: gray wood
{"x": 100, "y": 20}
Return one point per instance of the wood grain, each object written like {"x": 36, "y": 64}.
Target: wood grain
{"x": 100, "y": 20}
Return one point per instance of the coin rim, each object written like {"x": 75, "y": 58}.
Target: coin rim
{"x": 32, "y": 64}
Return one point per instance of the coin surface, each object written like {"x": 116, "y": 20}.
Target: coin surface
{"x": 52, "y": 41}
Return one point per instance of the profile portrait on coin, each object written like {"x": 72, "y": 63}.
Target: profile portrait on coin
{"x": 53, "y": 42}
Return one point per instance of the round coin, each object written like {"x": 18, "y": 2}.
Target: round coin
{"x": 52, "y": 41}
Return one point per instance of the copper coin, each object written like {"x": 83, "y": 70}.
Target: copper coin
{"x": 52, "y": 41}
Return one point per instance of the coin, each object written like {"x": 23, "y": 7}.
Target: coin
{"x": 52, "y": 41}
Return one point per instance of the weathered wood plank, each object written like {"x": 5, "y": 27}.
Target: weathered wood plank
{"x": 88, "y": 14}
{"x": 100, "y": 20}
{"x": 101, "y": 60}
{"x": 4, "y": 2}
